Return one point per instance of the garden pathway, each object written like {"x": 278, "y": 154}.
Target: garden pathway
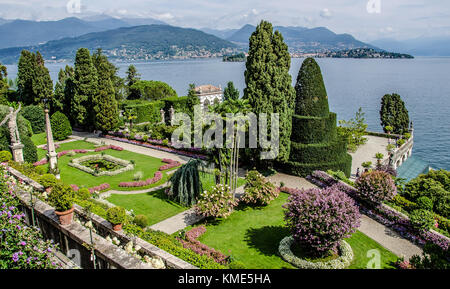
{"x": 383, "y": 235}
{"x": 184, "y": 219}
{"x": 71, "y": 139}
{"x": 366, "y": 153}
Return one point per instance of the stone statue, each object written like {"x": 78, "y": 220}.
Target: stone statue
{"x": 172, "y": 114}
{"x": 12, "y": 125}
{"x": 163, "y": 118}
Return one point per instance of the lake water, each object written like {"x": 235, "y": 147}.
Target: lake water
{"x": 423, "y": 83}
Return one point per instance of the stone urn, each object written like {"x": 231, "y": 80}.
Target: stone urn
{"x": 65, "y": 218}
{"x": 117, "y": 227}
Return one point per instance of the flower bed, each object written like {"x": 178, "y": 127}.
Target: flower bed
{"x": 44, "y": 161}
{"x": 137, "y": 184}
{"x": 383, "y": 213}
{"x": 192, "y": 243}
{"x": 57, "y": 146}
{"x": 158, "y": 145}
{"x": 110, "y": 147}
{"x": 77, "y": 163}
{"x": 170, "y": 164}
{"x": 343, "y": 261}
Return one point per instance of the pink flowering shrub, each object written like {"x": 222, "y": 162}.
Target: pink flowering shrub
{"x": 75, "y": 188}
{"x": 258, "y": 190}
{"x": 192, "y": 243}
{"x": 100, "y": 188}
{"x": 376, "y": 187}
{"x": 170, "y": 164}
{"x": 320, "y": 219}
{"x": 40, "y": 163}
{"x": 137, "y": 184}
{"x": 109, "y": 147}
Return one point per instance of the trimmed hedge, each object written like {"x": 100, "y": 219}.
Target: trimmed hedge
{"x": 321, "y": 152}
{"x": 180, "y": 104}
{"x": 305, "y": 169}
{"x": 308, "y": 129}
{"x": 146, "y": 111}
{"x": 35, "y": 114}
{"x": 61, "y": 127}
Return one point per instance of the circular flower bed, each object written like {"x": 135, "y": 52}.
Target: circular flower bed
{"x": 343, "y": 261}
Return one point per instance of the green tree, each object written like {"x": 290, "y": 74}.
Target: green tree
{"x": 268, "y": 82}
{"x": 61, "y": 98}
{"x": 314, "y": 142}
{"x": 132, "y": 77}
{"x": 98, "y": 59}
{"x": 85, "y": 89}
{"x": 43, "y": 85}
{"x": 393, "y": 113}
{"x": 25, "y": 77}
{"x": 230, "y": 92}
{"x": 105, "y": 104}
{"x": 193, "y": 99}
{"x": 153, "y": 90}
{"x": 354, "y": 130}
{"x": 3, "y": 85}
{"x": 61, "y": 128}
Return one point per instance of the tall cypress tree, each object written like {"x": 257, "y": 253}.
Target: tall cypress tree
{"x": 315, "y": 144}
{"x": 268, "y": 82}
{"x": 3, "y": 85}
{"x": 25, "y": 77}
{"x": 98, "y": 59}
{"x": 105, "y": 104}
{"x": 43, "y": 84}
{"x": 230, "y": 92}
{"x": 394, "y": 113}
{"x": 85, "y": 89}
{"x": 132, "y": 77}
{"x": 61, "y": 99}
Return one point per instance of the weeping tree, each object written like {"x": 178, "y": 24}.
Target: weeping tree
{"x": 186, "y": 185}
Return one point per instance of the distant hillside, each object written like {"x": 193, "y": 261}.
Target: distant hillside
{"x": 224, "y": 34}
{"x": 366, "y": 53}
{"x": 420, "y": 47}
{"x": 134, "y": 43}
{"x": 24, "y": 32}
{"x": 306, "y": 40}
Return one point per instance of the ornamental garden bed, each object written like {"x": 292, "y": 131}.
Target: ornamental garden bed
{"x": 146, "y": 165}
{"x": 252, "y": 236}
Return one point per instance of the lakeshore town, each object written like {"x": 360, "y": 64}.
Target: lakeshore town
{"x": 104, "y": 172}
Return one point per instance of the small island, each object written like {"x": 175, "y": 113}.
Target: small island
{"x": 366, "y": 53}
{"x": 235, "y": 58}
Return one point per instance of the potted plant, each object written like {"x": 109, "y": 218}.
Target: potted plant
{"x": 48, "y": 181}
{"x": 116, "y": 216}
{"x": 379, "y": 157}
{"x": 62, "y": 199}
{"x": 367, "y": 166}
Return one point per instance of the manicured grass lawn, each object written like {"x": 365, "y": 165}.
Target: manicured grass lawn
{"x": 208, "y": 181}
{"x": 39, "y": 139}
{"x": 146, "y": 164}
{"x": 252, "y": 236}
{"x": 155, "y": 205}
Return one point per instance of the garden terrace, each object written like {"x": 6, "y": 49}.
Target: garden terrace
{"x": 148, "y": 165}
{"x": 252, "y": 237}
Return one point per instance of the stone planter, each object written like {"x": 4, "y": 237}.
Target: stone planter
{"x": 65, "y": 218}
{"x": 117, "y": 227}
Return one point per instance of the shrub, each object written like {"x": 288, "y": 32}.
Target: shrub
{"x": 433, "y": 258}
{"x": 29, "y": 150}
{"x": 258, "y": 190}
{"x": 61, "y": 197}
{"x": 422, "y": 219}
{"x": 425, "y": 203}
{"x": 48, "y": 180}
{"x": 404, "y": 203}
{"x": 218, "y": 203}
{"x": 138, "y": 176}
{"x": 36, "y": 116}
{"x": 376, "y": 187}
{"x": 200, "y": 248}
{"x": 5, "y": 156}
{"x": 83, "y": 193}
{"x": 141, "y": 221}
{"x": 236, "y": 265}
{"x": 61, "y": 127}
{"x": 116, "y": 215}
{"x": 401, "y": 142}
{"x": 320, "y": 219}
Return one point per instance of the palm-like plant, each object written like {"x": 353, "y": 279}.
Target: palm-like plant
{"x": 186, "y": 185}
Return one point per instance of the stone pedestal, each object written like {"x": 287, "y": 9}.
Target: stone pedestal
{"x": 17, "y": 152}
{"x": 52, "y": 160}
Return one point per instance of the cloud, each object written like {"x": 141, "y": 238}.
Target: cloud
{"x": 326, "y": 13}
{"x": 164, "y": 16}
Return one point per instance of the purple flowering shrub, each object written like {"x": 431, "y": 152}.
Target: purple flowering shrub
{"x": 376, "y": 187}
{"x": 319, "y": 219}
{"x": 21, "y": 246}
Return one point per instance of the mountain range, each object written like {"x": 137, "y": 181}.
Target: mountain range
{"x": 426, "y": 46}
{"x": 147, "y": 42}
{"x": 15, "y": 33}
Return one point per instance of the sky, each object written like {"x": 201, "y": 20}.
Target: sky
{"x": 367, "y": 20}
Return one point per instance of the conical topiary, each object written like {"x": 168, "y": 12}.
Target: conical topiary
{"x": 315, "y": 144}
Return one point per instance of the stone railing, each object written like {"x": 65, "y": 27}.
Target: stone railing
{"x": 72, "y": 237}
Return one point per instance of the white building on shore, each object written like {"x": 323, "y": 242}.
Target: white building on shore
{"x": 209, "y": 95}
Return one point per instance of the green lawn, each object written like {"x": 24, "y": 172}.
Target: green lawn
{"x": 208, "y": 181}
{"x": 155, "y": 205}
{"x": 146, "y": 164}
{"x": 39, "y": 139}
{"x": 252, "y": 236}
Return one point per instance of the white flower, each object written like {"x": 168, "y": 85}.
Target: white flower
{"x": 89, "y": 225}
{"x": 157, "y": 263}
{"x": 108, "y": 238}
{"x": 129, "y": 247}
